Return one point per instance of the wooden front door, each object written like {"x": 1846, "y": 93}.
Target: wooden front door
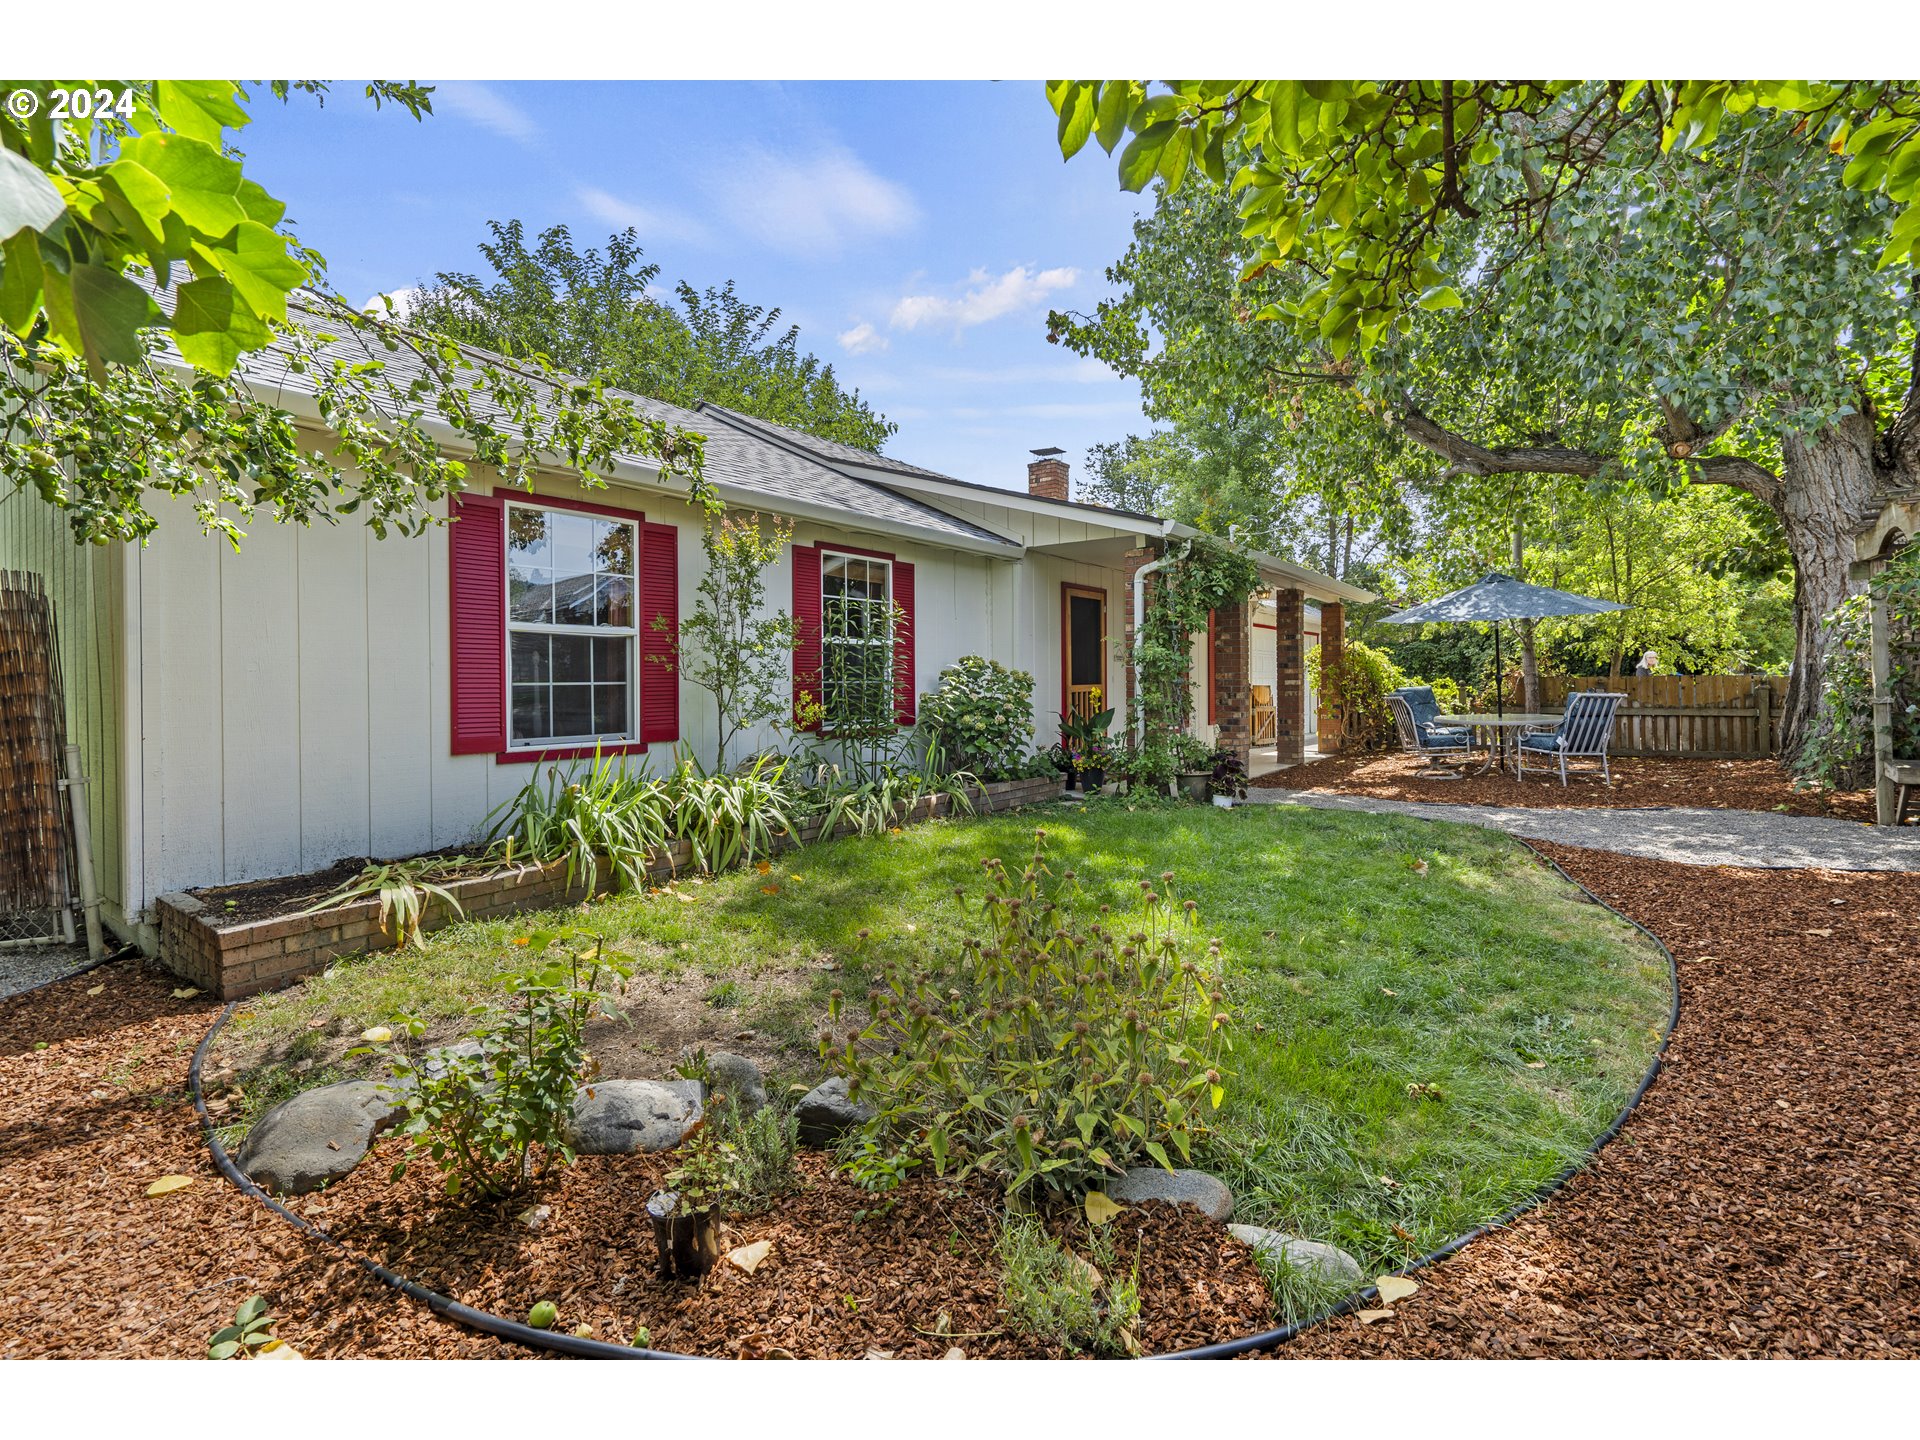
{"x": 1083, "y": 650}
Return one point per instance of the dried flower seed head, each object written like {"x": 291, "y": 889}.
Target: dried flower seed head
{"x": 1190, "y": 905}
{"x": 862, "y": 933}
{"x": 1081, "y": 1027}
{"x": 1166, "y": 877}
{"x": 1144, "y": 1079}
{"x": 1220, "y": 1017}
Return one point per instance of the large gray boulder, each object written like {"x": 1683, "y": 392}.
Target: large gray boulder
{"x": 826, "y": 1113}
{"x": 1314, "y": 1258}
{"x": 738, "y": 1078}
{"x": 626, "y": 1117}
{"x": 317, "y": 1136}
{"x": 1177, "y": 1187}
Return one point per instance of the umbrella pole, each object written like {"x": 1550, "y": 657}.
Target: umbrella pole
{"x": 1499, "y": 699}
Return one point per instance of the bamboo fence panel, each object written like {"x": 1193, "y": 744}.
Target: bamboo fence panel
{"x": 34, "y": 859}
{"x": 1713, "y": 717}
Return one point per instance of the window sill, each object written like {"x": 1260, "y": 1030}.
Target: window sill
{"x": 570, "y": 752}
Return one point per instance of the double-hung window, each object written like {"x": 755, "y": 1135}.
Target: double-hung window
{"x": 856, "y": 640}
{"x": 571, "y": 632}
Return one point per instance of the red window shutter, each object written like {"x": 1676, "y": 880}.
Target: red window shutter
{"x": 903, "y": 674}
{"x": 806, "y": 619}
{"x": 1213, "y": 690}
{"x": 477, "y": 563}
{"x": 659, "y": 599}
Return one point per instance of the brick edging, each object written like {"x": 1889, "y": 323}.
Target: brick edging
{"x": 244, "y": 958}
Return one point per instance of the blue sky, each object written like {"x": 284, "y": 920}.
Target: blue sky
{"x": 916, "y": 232}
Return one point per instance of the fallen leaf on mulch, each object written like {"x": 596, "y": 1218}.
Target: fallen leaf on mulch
{"x": 1395, "y": 1288}
{"x": 96, "y": 990}
{"x": 1368, "y": 1317}
{"x": 186, "y": 992}
{"x": 277, "y": 1350}
{"x": 167, "y": 1184}
{"x": 748, "y": 1257}
{"x": 1101, "y": 1208}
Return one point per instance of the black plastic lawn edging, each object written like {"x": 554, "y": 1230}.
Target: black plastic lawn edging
{"x": 559, "y": 1342}
{"x": 1271, "y": 1339}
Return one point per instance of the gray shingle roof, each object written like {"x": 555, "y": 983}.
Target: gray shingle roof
{"x": 734, "y": 455}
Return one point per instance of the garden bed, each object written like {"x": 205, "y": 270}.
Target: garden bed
{"x": 1638, "y": 783}
{"x": 915, "y": 1282}
{"x": 238, "y": 940}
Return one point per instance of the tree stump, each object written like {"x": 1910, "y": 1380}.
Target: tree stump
{"x": 688, "y": 1240}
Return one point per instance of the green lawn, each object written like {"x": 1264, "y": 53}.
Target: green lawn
{"x": 1377, "y": 953}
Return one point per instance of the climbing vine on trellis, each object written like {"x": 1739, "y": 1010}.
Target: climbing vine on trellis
{"x": 1206, "y": 576}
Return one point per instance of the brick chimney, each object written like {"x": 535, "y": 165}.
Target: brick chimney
{"x": 1047, "y": 476}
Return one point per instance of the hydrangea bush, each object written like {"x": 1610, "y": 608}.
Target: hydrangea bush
{"x": 982, "y": 717}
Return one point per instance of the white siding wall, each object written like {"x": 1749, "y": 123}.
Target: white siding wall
{"x": 293, "y": 703}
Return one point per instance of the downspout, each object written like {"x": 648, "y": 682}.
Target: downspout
{"x": 1139, "y": 620}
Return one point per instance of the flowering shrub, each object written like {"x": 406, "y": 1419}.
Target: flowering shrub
{"x": 982, "y": 717}
{"x": 1052, "y": 1050}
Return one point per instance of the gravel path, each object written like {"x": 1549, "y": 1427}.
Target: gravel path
{"x": 23, "y": 969}
{"x": 1749, "y": 839}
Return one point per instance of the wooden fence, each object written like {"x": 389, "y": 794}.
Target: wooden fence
{"x": 1709, "y": 717}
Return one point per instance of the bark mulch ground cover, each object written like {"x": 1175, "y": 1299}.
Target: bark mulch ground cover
{"x": 1761, "y": 1202}
{"x": 914, "y": 1282}
{"x": 1638, "y": 782}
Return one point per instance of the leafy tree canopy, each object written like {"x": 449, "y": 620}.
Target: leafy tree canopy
{"x": 1615, "y": 283}
{"x": 140, "y": 266}
{"x": 599, "y": 314}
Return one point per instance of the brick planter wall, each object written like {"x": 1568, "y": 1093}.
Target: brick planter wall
{"x": 246, "y": 957}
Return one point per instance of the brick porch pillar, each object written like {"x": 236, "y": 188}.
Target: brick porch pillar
{"x": 1134, "y": 558}
{"x": 1290, "y": 677}
{"x": 1333, "y": 650}
{"x": 1231, "y": 629}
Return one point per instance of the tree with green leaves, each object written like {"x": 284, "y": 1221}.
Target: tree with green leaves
{"x": 599, "y": 314}
{"x": 1660, "y": 284}
{"x": 146, "y": 283}
{"x": 730, "y": 646}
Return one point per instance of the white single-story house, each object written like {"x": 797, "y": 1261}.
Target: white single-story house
{"x": 320, "y": 693}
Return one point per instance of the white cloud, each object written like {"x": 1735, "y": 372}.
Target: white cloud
{"x": 863, "y": 339}
{"x": 812, "y": 205}
{"x": 987, "y": 298}
{"x": 486, "y": 107}
{"x": 404, "y": 300}
{"x": 652, "y": 224}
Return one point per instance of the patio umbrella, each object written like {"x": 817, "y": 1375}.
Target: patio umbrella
{"x": 1497, "y": 597}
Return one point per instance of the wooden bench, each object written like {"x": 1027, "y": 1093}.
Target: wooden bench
{"x": 1907, "y": 777}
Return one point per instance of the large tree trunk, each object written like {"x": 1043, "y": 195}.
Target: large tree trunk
{"x": 1824, "y": 494}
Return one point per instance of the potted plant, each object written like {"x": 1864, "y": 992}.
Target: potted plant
{"x": 1229, "y": 779}
{"x": 1083, "y": 744}
{"x": 1193, "y": 763}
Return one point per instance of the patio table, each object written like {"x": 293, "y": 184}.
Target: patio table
{"x": 1499, "y": 727}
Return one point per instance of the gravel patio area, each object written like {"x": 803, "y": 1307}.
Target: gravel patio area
{"x": 1638, "y": 782}
{"x": 1747, "y": 839}
{"x": 1759, "y": 1203}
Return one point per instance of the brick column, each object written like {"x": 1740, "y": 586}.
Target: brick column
{"x": 1230, "y": 658}
{"x": 1290, "y": 677}
{"x": 1333, "y": 649}
{"x": 1134, "y": 560}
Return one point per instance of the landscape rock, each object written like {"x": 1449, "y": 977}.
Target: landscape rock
{"x": 1177, "y": 1187}
{"x": 317, "y": 1136}
{"x": 625, "y": 1117}
{"x": 825, "y": 1113}
{"x": 690, "y": 1090}
{"x": 738, "y": 1078}
{"x": 1312, "y": 1257}
{"x": 434, "y": 1063}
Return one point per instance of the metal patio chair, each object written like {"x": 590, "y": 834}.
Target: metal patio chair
{"x": 1437, "y": 745}
{"x": 1585, "y": 732}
